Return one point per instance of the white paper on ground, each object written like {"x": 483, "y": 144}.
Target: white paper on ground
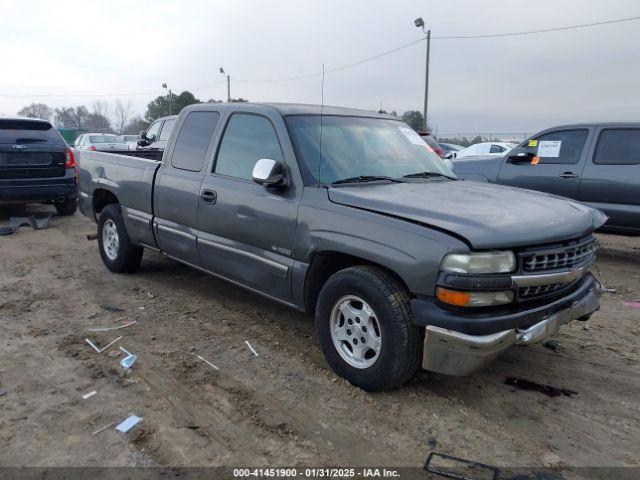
{"x": 128, "y": 424}
{"x": 549, "y": 148}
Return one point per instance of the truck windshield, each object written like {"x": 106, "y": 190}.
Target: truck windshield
{"x": 361, "y": 147}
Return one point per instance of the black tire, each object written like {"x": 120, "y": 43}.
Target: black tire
{"x": 128, "y": 256}
{"x": 401, "y": 349}
{"x": 68, "y": 207}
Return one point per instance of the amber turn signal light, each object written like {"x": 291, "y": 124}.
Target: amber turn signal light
{"x": 460, "y": 299}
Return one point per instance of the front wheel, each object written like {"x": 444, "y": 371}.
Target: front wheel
{"x": 117, "y": 252}
{"x": 366, "y": 330}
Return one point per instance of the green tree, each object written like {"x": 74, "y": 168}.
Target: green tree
{"x": 135, "y": 126}
{"x": 97, "y": 122}
{"x": 36, "y": 110}
{"x": 169, "y": 105}
{"x": 413, "y": 118}
{"x": 71, "y": 117}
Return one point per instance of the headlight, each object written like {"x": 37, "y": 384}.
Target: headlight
{"x": 478, "y": 263}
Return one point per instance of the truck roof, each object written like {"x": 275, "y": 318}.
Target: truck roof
{"x": 594, "y": 124}
{"x": 301, "y": 109}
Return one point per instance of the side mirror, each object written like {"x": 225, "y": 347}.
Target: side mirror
{"x": 520, "y": 156}
{"x": 270, "y": 173}
{"x": 143, "y": 134}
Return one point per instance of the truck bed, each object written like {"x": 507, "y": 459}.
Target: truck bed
{"x": 128, "y": 177}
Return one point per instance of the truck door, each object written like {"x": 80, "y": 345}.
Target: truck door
{"x": 177, "y": 186}
{"x": 611, "y": 177}
{"x": 247, "y": 231}
{"x": 561, "y": 155}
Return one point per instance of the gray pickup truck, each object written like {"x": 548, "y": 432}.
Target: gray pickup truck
{"x": 348, "y": 215}
{"x": 597, "y": 164}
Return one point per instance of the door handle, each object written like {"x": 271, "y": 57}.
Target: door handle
{"x": 209, "y": 196}
{"x": 569, "y": 175}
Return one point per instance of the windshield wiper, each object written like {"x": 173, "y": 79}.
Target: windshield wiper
{"x": 366, "y": 178}
{"x": 428, "y": 175}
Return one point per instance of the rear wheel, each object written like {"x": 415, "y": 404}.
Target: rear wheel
{"x": 68, "y": 207}
{"x": 117, "y": 252}
{"x": 366, "y": 330}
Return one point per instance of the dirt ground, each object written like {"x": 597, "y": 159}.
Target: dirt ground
{"x": 283, "y": 407}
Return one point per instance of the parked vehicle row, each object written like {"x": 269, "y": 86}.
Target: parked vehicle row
{"x": 348, "y": 216}
{"x": 595, "y": 164}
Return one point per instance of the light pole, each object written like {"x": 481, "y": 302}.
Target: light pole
{"x": 228, "y": 84}
{"x": 164, "y": 85}
{"x": 418, "y": 22}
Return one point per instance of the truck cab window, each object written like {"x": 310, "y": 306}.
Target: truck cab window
{"x": 166, "y": 129}
{"x": 193, "y": 140}
{"x": 618, "y": 147}
{"x": 247, "y": 139}
{"x": 570, "y": 146}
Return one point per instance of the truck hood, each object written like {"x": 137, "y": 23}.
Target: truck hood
{"x": 486, "y": 215}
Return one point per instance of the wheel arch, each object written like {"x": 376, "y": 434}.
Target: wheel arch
{"x": 323, "y": 264}
{"x": 101, "y": 198}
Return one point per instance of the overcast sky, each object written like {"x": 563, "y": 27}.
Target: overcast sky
{"x": 513, "y": 84}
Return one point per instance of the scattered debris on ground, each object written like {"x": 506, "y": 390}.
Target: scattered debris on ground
{"x": 459, "y": 468}
{"x": 554, "y": 345}
{"x": 549, "y": 390}
{"x": 108, "y": 329}
{"x": 251, "y": 348}
{"x": 89, "y": 394}
{"x": 128, "y": 423}
{"x": 128, "y": 361}
{"x": 36, "y": 222}
{"x": 111, "y": 308}
{"x": 635, "y": 304}
{"x": 207, "y": 362}
{"x": 100, "y": 350}
{"x": 104, "y": 428}
{"x": 7, "y": 230}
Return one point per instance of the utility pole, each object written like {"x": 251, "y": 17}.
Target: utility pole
{"x": 228, "y": 84}
{"x": 418, "y": 22}
{"x": 164, "y": 85}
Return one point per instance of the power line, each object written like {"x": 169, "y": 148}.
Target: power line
{"x": 530, "y": 32}
{"x": 350, "y": 65}
{"x": 445, "y": 37}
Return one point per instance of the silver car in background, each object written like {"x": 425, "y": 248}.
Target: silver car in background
{"x": 100, "y": 142}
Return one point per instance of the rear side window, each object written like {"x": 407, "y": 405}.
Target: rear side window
{"x": 193, "y": 140}
{"x": 166, "y": 129}
{"x": 618, "y": 147}
{"x": 496, "y": 149}
{"x": 28, "y": 131}
{"x": 247, "y": 139}
{"x": 561, "y": 147}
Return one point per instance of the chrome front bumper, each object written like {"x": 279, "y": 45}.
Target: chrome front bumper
{"x": 458, "y": 354}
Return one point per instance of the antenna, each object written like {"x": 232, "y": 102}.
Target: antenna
{"x": 321, "y": 115}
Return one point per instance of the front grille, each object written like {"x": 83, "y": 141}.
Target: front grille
{"x": 564, "y": 257}
{"x": 529, "y": 293}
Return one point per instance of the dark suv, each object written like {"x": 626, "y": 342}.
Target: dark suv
{"x": 36, "y": 165}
